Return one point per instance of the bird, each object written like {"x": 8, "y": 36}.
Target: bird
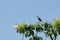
{"x": 39, "y": 18}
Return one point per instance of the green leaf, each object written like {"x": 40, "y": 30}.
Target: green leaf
{"x": 46, "y": 25}
{"x": 39, "y": 29}
{"x": 56, "y": 22}
{"x": 32, "y": 26}
{"x": 36, "y": 38}
{"x": 59, "y": 32}
{"x": 27, "y": 34}
{"x": 21, "y": 28}
{"x": 37, "y": 25}
{"x": 48, "y": 33}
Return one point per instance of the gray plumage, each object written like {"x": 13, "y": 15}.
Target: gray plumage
{"x": 39, "y": 18}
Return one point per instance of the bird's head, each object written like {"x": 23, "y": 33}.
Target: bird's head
{"x": 37, "y": 16}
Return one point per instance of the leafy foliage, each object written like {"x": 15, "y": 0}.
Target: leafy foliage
{"x": 50, "y": 29}
{"x": 38, "y": 27}
{"x": 20, "y": 28}
{"x": 36, "y": 38}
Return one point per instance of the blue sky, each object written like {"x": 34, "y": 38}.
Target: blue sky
{"x": 18, "y": 11}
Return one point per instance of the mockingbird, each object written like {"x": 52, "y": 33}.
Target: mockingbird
{"x": 39, "y": 18}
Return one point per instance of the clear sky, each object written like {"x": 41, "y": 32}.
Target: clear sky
{"x": 18, "y": 11}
